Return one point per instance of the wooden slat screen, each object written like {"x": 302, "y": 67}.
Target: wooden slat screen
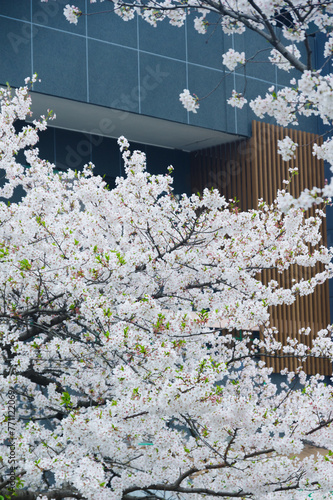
{"x": 252, "y": 169}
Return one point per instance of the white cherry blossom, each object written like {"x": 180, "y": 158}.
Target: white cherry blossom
{"x": 190, "y": 102}
{"x": 232, "y": 58}
{"x": 72, "y": 13}
{"x": 287, "y": 148}
{"x": 118, "y": 317}
{"x": 237, "y": 100}
{"x": 281, "y": 62}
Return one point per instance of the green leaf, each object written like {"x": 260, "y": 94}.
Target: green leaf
{"x": 25, "y": 265}
{"x": 66, "y": 399}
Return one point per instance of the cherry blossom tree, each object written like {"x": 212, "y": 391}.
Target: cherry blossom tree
{"x": 121, "y": 376}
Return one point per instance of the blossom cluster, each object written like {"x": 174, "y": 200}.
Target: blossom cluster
{"x": 328, "y": 50}
{"x": 237, "y": 100}
{"x": 287, "y": 148}
{"x": 232, "y": 58}
{"x": 200, "y": 24}
{"x": 280, "y": 61}
{"x": 190, "y": 102}
{"x": 117, "y": 332}
{"x": 72, "y": 13}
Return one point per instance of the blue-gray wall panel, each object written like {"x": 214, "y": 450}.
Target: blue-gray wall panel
{"x": 257, "y": 50}
{"x": 109, "y": 26}
{"x": 207, "y": 49}
{"x": 163, "y": 40}
{"x": 113, "y": 76}
{"x": 212, "y": 111}
{"x": 15, "y": 51}
{"x": 166, "y": 79}
{"x": 50, "y": 14}
{"x": 60, "y": 61}
{"x": 19, "y": 9}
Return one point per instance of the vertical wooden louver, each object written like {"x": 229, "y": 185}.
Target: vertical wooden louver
{"x": 252, "y": 169}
